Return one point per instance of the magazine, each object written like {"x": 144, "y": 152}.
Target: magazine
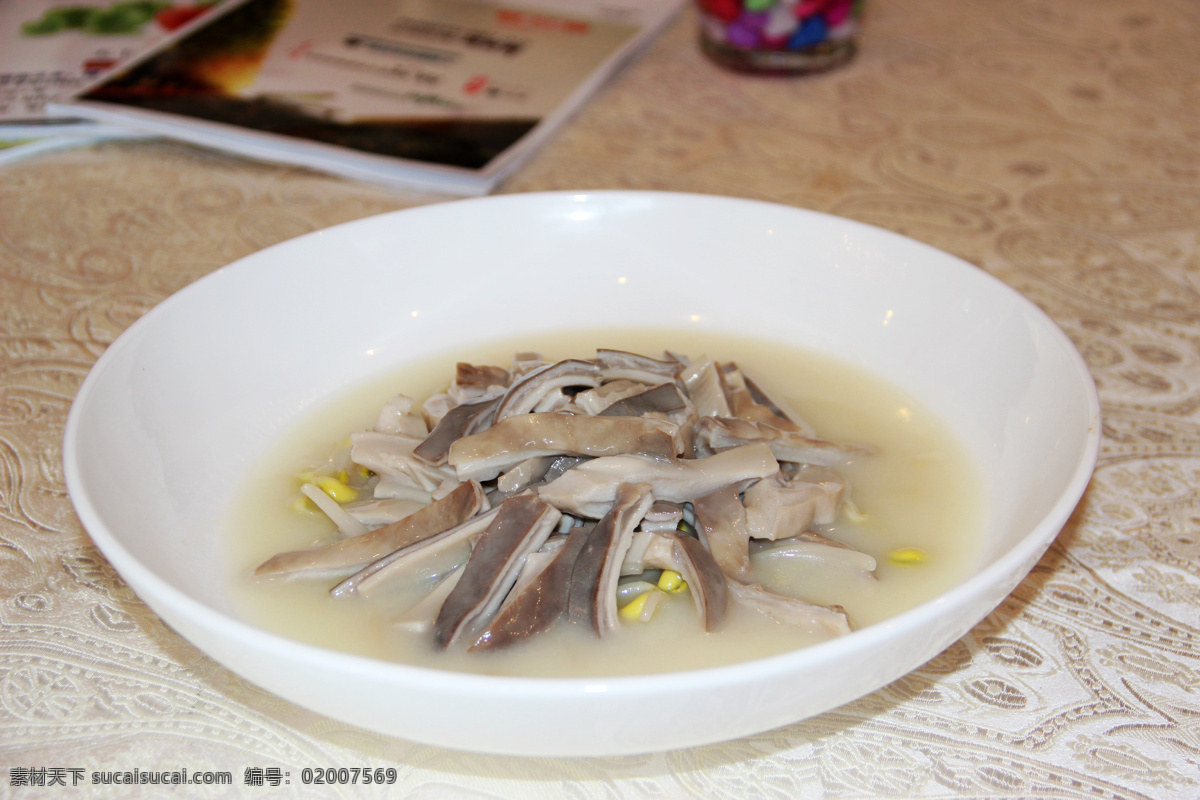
{"x": 441, "y": 95}
{"x": 51, "y": 48}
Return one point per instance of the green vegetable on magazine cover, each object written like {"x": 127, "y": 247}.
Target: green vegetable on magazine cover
{"x": 125, "y": 17}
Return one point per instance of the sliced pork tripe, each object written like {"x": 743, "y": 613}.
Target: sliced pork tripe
{"x": 527, "y": 391}
{"x": 662, "y": 399}
{"x": 809, "y": 617}
{"x": 461, "y": 420}
{"x": 521, "y": 526}
{"x": 778, "y": 507}
{"x": 392, "y": 457}
{"x": 593, "y": 593}
{"x": 747, "y": 401}
{"x": 723, "y": 433}
{"x": 407, "y": 559}
{"x": 687, "y": 555}
{"x": 347, "y": 556}
{"x": 706, "y": 582}
{"x": 538, "y": 606}
{"x": 812, "y": 546}
{"x": 590, "y": 488}
{"x": 721, "y": 522}
{"x": 472, "y": 382}
{"x": 617, "y": 364}
{"x": 510, "y": 441}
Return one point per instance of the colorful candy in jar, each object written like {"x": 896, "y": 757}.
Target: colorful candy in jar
{"x": 779, "y": 25}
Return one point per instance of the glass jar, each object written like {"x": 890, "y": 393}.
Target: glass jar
{"x": 779, "y": 36}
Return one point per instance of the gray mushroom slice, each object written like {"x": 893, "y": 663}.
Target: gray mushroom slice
{"x": 723, "y": 433}
{"x": 347, "y": 556}
{"x": 721, "y": 522}
{"x": 589, "y": 488}
{"x": 810, "y": 617}
{"x": 593, "y": 594}
{"x": 406, "y": 559}
{"x": 527, "y": 391}
{"x": 461, "y": 420}
{"x": 510, "y": 441}
{"x": 706, "y": 582}
{"x": 538, "y": 606}
{"x": 662, "y": 399}
{"x": 522, "y": 525}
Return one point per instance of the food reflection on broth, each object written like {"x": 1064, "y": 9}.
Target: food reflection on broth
{"x": 602, "y": 512}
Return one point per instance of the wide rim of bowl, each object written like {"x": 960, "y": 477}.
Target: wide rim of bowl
{"x": 1003, "y": 574}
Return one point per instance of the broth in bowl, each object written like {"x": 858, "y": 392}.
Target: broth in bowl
{"x": 900, "y": 517}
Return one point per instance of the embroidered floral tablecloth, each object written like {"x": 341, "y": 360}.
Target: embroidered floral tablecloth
{"x": 1053, "y": 143}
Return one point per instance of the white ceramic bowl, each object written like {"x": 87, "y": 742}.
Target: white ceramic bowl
{"x": 213, "y": 375}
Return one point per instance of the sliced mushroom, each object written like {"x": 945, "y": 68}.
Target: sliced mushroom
{"x": 593, "y": 598}
{"x": 349, "y": 555}
{"x": 522, "y": 525}
{"x": 508, "y": 442}
{"x": 589, "y": 488}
